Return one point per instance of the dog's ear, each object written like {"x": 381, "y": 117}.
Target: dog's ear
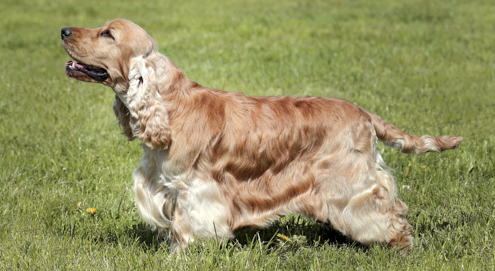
{"x": 148, "y": 113}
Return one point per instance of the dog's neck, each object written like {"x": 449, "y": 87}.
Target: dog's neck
{"x": 171, "y": 79}
{"x": 168, "y": 79}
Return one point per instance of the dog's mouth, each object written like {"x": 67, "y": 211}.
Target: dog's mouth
{"x": 81, "y": 71}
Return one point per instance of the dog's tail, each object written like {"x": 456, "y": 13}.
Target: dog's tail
{"x": 395, "y": 137}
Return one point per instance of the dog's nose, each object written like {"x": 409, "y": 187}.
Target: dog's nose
{"x": 66, "y": 32}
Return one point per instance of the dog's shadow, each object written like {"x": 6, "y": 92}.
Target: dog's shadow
{"x": 296, "y": 229}
{"x": 293, "y": 229}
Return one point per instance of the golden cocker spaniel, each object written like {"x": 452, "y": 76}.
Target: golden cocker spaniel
{"x": 215, "y": 161}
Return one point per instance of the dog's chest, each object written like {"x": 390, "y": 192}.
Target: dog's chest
{"x": 184, "y": 197}
{"x": 161, "y": 165}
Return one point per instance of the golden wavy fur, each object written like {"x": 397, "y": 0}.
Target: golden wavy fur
{"x": 215, "y": 161}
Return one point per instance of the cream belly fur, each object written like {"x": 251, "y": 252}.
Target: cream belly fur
{"x": 186, "y": 208}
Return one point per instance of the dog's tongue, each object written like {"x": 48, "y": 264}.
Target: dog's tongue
{"x": 72, "y": 63}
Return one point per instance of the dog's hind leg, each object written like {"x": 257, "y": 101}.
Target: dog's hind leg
{"x": 369, "y": 214}
{"x": 377, "y": 215}
{"x": 357, "y": 195}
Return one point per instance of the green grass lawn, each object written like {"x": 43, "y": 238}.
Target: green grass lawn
{"x": 427, "y": 66}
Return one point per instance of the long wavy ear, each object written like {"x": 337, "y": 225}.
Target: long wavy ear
{"x": 149, "y": 117}
{"x": 123, "y": 117}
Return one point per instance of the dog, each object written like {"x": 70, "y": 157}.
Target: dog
{"x": 216, "y": 161}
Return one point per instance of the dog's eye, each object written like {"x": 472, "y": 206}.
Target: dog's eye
{"x": 107, "y": 34}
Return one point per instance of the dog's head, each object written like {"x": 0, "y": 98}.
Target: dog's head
{"x": 105, "y": 55}
{"x": 121, "y": 55}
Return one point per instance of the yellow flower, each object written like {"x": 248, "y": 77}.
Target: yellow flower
{"x": 424, "y": 167}
{"x": 91, "y": 210}
{"x": 79, "y": 204}
{"x": 281, "y": 236}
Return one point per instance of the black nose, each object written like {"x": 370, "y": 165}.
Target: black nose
{"x": 66, "y": 32}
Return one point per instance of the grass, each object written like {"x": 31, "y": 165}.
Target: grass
{"x": 427, "y": 66}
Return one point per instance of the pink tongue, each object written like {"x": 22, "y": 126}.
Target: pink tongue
{"x": 77, "y": 65}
